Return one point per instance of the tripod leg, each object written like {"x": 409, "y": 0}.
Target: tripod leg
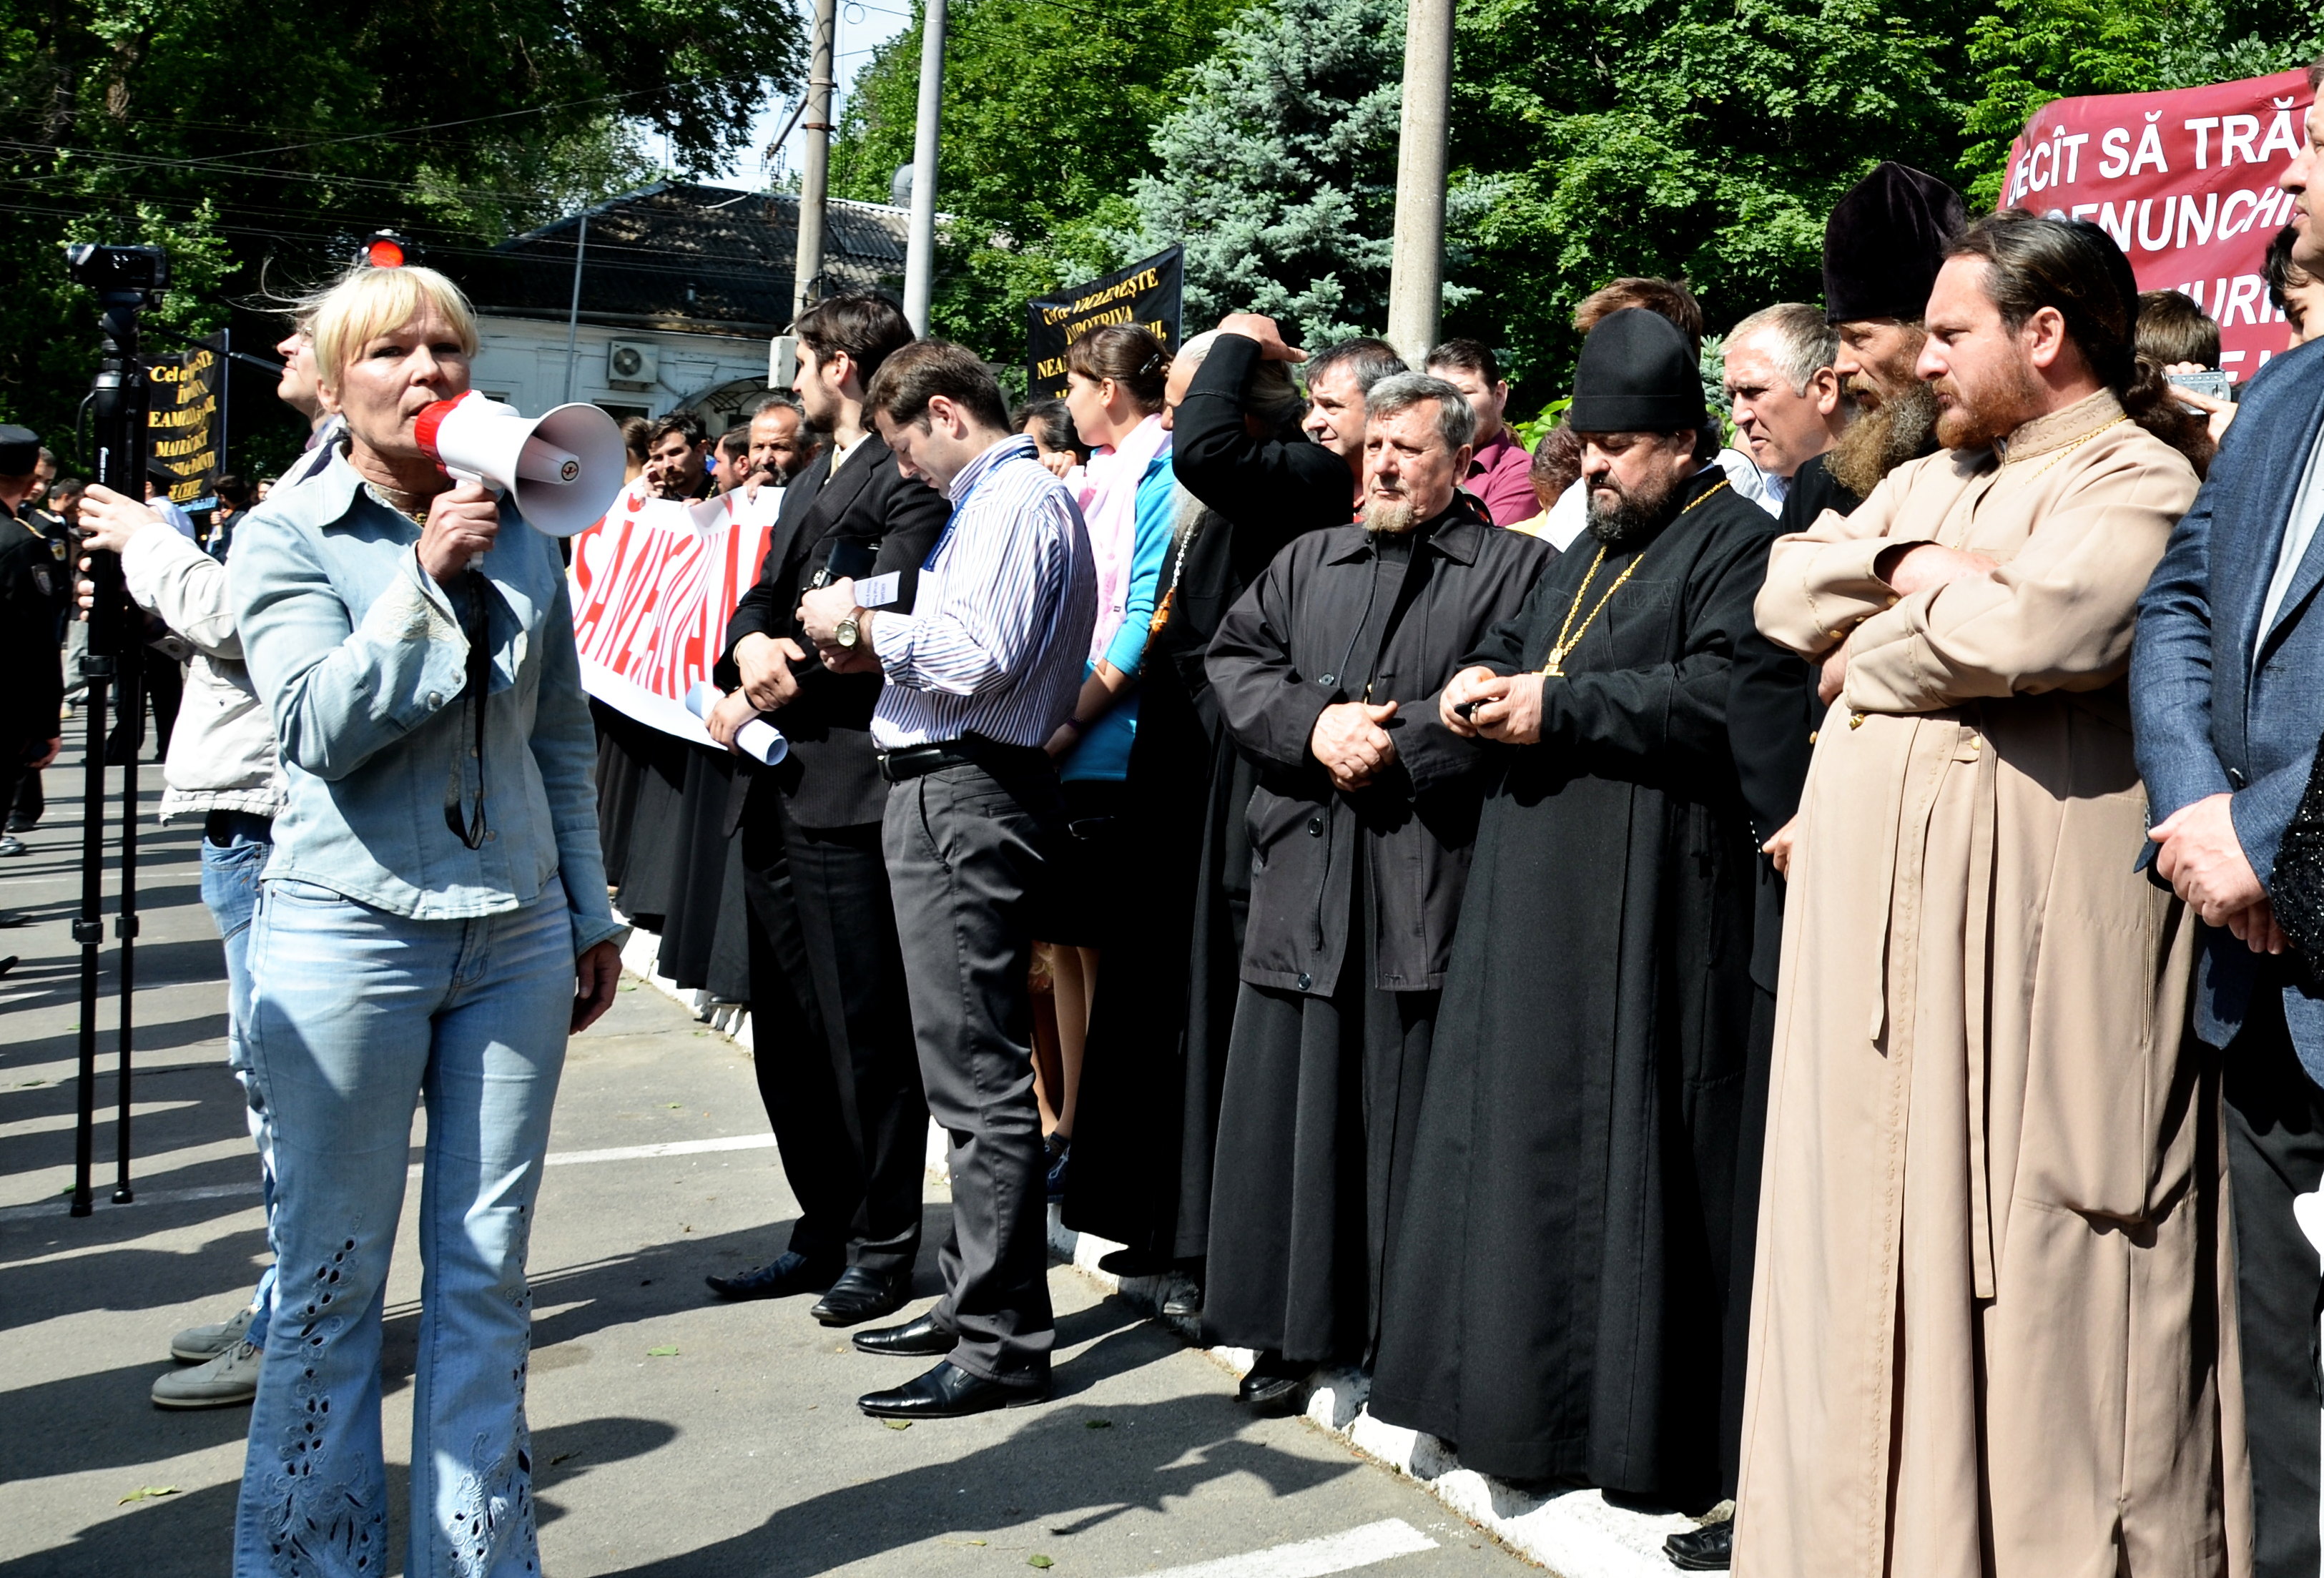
{"x": 124, "y": 926}
{"x": 88, "y": 930}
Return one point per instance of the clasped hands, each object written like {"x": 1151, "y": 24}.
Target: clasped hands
{"x": 2199, "y": 854}
{"x": 1508, "y": 707}
{"x": 1917, "y": 567}
{"x": 1348, "y": 739}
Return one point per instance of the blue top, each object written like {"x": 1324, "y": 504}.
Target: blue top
{"x": 361, "y": 657}
{"x": 1104, "y": 750}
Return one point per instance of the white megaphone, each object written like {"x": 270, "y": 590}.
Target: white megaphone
{"x": 563, "y": 468}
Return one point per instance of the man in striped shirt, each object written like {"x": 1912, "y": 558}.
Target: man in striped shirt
{"x": 983, "y": 671}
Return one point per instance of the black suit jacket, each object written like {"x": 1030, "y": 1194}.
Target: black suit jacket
{"x": 831, "y": 777}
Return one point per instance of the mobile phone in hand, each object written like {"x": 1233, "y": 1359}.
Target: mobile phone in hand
{"x": 2211, "y": 383}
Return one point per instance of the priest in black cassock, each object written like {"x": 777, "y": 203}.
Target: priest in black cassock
{"x": 1326, "y": 673}
{"x": 1555, "y": 1281}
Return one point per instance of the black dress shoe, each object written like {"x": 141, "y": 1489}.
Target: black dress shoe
{"x": 1135, "y": 1263}
{"x": 920, "y": 1339}
{"x": 861, "y": 1296}
{"x": 1272, "y": 1385}
{"x": 784, "y": 1275}
{"x": 1703, "y": 1550}
{"x": 13, "y": 918}
{"x": 949, "y": 1392}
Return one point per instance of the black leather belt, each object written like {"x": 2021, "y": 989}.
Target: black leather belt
{"x": 1004, "y": 762}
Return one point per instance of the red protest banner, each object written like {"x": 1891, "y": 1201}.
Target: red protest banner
{"x": 653, "y": 586}
{"x": 2185, "y": 183}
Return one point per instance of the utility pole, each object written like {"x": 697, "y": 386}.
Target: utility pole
{"x": 815, "y": 172}
{"x": 1416, "y": 290}
{"x": 572, "y": 315}
{"x": 920, "y": 254}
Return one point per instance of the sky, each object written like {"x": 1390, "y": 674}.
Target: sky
{"x": 863, "y": 26}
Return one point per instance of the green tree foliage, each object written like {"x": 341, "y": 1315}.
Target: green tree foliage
{"x": 1703, "y": 138}
{"x": 2031, "y": 51}
{"x": 255, "y": 138}
{"x": 1049, "y": 108}
{"x": 1706, "y": 139}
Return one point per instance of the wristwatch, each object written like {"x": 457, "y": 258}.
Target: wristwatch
{"x": 847, "y": 632}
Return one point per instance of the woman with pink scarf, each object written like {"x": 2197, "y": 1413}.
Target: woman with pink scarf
{"x": 1113, "y": 387}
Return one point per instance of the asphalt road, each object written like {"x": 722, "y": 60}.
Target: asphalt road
{"x": 739, "y": 1454}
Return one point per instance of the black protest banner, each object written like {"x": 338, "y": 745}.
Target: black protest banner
{"x": 1148, "y": 294}
{"x": 183, "y": 418}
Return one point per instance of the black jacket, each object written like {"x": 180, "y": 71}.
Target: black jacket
{"x": 1772, "y": 718}
{"x": 1276, "y": 664}
{"x": 32, "y": 588}
{"x": 831, "y": 777}
{"x": 1268, "y": 491}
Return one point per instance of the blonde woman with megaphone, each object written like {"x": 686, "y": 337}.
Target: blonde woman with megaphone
{"x": 434, "y": 924}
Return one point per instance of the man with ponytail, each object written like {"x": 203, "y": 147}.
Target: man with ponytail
{"x": 1990, "y": 1278}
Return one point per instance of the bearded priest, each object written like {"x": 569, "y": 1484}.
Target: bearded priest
{"x": 1556, "y": 1283}
{"x": 1992, "y": 1274}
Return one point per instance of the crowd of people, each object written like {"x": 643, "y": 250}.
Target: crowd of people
{"x": 1736, "y": 953}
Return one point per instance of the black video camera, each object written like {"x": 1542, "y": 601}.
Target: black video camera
{"x": 125, "y": 280}
{"x": 118, "y": 269}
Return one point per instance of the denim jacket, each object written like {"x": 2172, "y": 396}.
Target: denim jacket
{"x": 362, "y": 659}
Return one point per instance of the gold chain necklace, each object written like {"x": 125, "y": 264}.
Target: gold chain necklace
{"x": 388, "y": 496}
{"x": 1568, "y": 638}
{"x": 2073, "y": 446}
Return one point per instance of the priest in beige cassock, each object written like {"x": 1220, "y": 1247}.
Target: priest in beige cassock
{"x": 1986, "y": 1332}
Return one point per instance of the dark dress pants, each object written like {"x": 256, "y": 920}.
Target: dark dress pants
{"x": 2275, "y": 1154}
{"x": 966, "y": 864}
{"x": 832, "y": 1042}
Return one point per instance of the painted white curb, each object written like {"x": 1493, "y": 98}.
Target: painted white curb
{"x": 1576, "y": 1534}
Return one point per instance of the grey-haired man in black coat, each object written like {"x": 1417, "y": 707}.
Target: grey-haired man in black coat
{"x": 1326, "y": 673}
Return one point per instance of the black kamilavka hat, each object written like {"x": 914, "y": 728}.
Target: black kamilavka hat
{"x": 1885, "y": 242}
{"x": 1636, "y": 375}
{"x": 20, "y": 449}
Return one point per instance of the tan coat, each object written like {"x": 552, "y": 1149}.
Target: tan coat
{"x": 1986, "y": 1318}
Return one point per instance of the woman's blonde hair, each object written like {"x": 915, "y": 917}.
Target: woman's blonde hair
{"x": 368, "y": 302}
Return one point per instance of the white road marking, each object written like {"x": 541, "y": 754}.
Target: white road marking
{"x": 1313, "y": 1558}
{"x": 103, "y": 1185}
{"x": 565, "y": 1158}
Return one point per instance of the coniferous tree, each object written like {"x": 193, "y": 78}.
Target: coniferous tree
{"x": 1277, "y": 170}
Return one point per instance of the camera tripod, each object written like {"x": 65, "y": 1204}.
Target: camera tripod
{"x": 126, "y": 280}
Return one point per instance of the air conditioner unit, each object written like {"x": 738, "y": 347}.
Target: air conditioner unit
{"x": 632, "y": 362}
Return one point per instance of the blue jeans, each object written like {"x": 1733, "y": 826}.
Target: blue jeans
{"x": 230, "y": 872}
{"x": 355, "y": 1016}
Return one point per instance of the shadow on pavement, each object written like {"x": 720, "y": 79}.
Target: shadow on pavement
{"x": 105, "y": 1419}
{"x": 1152, "y": 1453}
{"x": 192, "y": 1536}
